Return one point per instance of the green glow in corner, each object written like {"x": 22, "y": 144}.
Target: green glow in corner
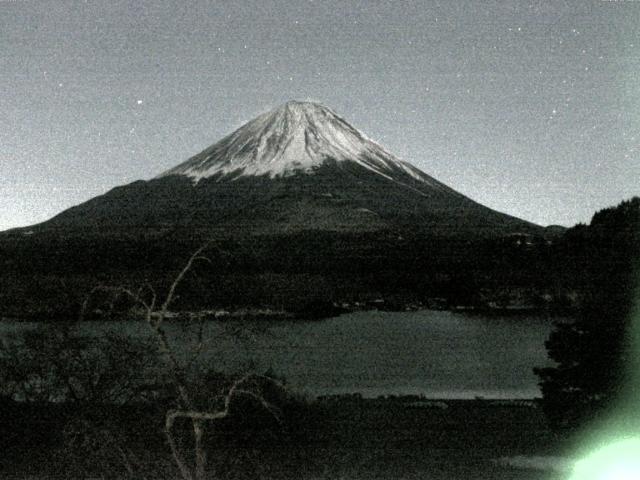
{"x": 618, "y": 456}
{"x": 618, "y": 461}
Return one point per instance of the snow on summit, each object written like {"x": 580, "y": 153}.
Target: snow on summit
{"x": 295, "y": 137}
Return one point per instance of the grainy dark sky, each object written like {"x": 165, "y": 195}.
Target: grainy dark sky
{"x": 532, "y": 108}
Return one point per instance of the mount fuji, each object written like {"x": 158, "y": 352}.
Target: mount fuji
{"x": 302, "y": 212}
{"x": 297, "y": 167}
{"x": 298, "y": 137}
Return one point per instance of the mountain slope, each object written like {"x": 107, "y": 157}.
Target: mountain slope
{"x": 298, "y": 167}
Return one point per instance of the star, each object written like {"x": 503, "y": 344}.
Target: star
{"x": 139, "y": 102}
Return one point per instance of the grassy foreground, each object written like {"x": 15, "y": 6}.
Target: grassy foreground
{"x": 339, "y": 438}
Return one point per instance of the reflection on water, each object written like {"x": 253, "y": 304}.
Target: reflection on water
{"x": 435, "y": 353}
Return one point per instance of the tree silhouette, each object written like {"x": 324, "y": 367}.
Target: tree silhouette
{"x": 593, "y": 352}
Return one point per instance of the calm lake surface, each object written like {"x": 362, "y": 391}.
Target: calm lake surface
{"x": 436, "y": 353}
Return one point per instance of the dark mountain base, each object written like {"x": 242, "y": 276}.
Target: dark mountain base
{"x": 307, "y": 273}
{"x": 336, "y": 197}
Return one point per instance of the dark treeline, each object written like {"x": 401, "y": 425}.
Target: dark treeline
{"x": 48, "y": 274}
{"x": 595, "y": 353}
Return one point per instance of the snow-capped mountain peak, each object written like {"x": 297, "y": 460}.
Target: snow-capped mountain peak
{"x": 295, "y": 137}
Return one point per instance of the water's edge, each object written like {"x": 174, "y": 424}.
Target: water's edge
{"x": 430, "y": 353}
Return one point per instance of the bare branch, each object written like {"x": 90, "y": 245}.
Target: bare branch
{"x": 136, "y": 297}
{"x": 199, "y": 347}
{"x": 155, "y": 315}
{"x": 173, "y": 415}
{"x": 175, "y": 451}
{"x": 272, "y": 409}
{"x": 197, "y": 418}
{"x": 170, "y": 296}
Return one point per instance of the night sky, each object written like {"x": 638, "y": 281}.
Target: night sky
{"x": 531, "y": 108}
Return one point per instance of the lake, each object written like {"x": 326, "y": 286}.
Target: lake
{"x": 438, "y": 354}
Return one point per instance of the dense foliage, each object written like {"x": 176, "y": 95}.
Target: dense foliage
{"x": 593, "y": 352}
{"x": 63, "y": 365}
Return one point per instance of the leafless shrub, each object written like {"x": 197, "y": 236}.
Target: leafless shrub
{"x": 59, "y": 364}
{"x": 200, "y": 415}
{"x": 82, "y": 377}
